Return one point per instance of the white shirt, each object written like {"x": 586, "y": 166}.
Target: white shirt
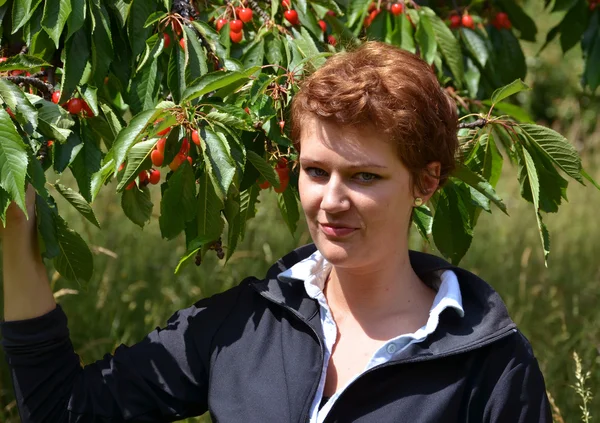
{"x": 314, "y": 271}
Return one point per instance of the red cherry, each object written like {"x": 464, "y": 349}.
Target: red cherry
{"x": 122, "y": 166}
{"x": 190, "y": 160}
{"x": 236, "y": 25}
{"x": 74, "y": 106}
{"x": 221, "y": 23}
{"x": 10, "y": 112}
{"x": 284, "y": 179}
{"x": 264, "y": 185}
{"x": 131, "y": 185}
{"x": 154, "y": 177}
{"x": 282, "y": 124}
{"x": 467, "y": 21}
{"x": 157, "y": 158}
{"x": 88, "y": 111}
{"x": 174, "y": 165}
{"x": 397, "y": 9}
{"x": 281, "y": 163}
{"x": 3, "y": 59}
{"x": 143, "y": 176}
{"x": 246, "y": 110}
{"x": 185, "y": 146}
{"x": 167, "y": 39}
{"x": 16, "y": 72}
{"x": 55, "y": 97}
{"x": 182, "y": 43}
{"x": 291, "y": 16}
{"x": 160, "y": 145}
{"x": 236, "y": 37}
{"x": 245, "y": 14}
{"x": 286, "y": 3}
{"x": 332, "y": 40}
{"x": 323, "y": 25}
{"x": 50, "y": 144}
{"x": 330, "y": 13}
{"x": 455, "y": 21}
{"x": 372, "y": 6}
{"x": 196, "y": 137}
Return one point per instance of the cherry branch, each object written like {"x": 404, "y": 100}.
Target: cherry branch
{"x": 42, "y": 86}
{"x": 479, "y": 123}
{"x": 254, "y": 6}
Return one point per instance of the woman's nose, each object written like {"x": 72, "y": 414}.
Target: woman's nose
{"x": 335, "y": 198}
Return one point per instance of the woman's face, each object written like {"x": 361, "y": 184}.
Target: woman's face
{"x": 356, "y": 194}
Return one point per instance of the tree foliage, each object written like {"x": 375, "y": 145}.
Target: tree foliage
{"x": 128, "y": 89}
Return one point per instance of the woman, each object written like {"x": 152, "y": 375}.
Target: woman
{"x": 352, "y": 328}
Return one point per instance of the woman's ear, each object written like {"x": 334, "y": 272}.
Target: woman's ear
{"x": 430, "y": 180}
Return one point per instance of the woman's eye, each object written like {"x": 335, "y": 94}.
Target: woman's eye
{"x": 367, "y": 177}
{"x": 315, "y": 172}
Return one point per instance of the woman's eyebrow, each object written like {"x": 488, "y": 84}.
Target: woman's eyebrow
{"x": 312, "y": 162}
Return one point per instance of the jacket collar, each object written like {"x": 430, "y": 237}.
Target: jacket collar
{"x": 486, "y": 318}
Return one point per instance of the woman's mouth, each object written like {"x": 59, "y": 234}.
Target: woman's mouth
{"x": 336, "y": 230}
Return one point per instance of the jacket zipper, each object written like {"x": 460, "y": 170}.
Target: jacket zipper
{"x": 507, "y": 332}
{"x": 305, "y": 415}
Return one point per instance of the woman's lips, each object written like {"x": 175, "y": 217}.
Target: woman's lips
{"x": 337, "y": 231}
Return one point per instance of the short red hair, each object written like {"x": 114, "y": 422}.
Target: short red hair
{"x": 392, "y": 90}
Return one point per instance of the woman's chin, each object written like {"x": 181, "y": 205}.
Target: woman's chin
{"x": 338, "y": 254}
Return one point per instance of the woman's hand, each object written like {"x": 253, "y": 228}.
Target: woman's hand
{"x": 27, "y": 292}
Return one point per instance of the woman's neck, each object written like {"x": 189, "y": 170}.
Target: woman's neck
{"x": 387, "y": 290}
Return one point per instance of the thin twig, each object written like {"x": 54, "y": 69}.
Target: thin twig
{"x": 254, "y": 6}
{"x": 44, "y": 87}
{"x": 479, "y": 123}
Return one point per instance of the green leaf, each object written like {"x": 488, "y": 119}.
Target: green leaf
{"x": 449, "y": 47}
{"x": 574, "y": 25}
{"x": 13, "y": 161}
{"x": 357, "y": 9}
{"x": 476, "y": 181}
{"x": 22, "y": 62}
{"x": 154, "y": 47}
{"x": 130, "y": 135}
{"x": 178, "y": 204}
{"x": 209, "y": 206}
{"x": 423, "y": 220}
{"x": 65, "y": 153}
{"x": 218, "y": 160}
{"x": 76, "y": 56}
{"x": 591, "y": 73}
{"x": 408, "y": 42}
{"x": 248, "y": 200}
{"x": 154, "y": 17}
{"x": 254, "y": 55}
{"x": 230, "y": 116}
{"x": 307, "y": 47}
{"x": 77, "y": 17}
{"x": 556, "y": 147}
{"x": 22, "y": 11}
{"x": 138, "y": 159}
{"x": 56, "y": 13}
{"x": 14, "y": 98}
{"x": 139, "y": 12}
{"x": 529, "y": 177}
{"x": 214, "y": 81}
{"x": 144, "y": 88}
{"x": 486, "y": 159}
{"x": 504, "y": 92}
{"x": 4, "y": 203}
{"x": 176, "y": 74}
{"x": 137, "y": 205}
{"x": 45, "y": 211}
{"x": 232, "y": 214}
{"x": 452, "y": 231}
{"x": 197, "y": 65}
{"x": 86, "y": 164}
{"x": 544, "y": 236}
{"x": 508, "y": 58}
{"x": 75, "y": 261}
{"x": 476, "y": 45}
{"x": 78, "y": 202}
{"x": 288, "y": 206}
{"x": 425, "y": 37}
{"x": 102, "y": 46}
{"x": 263, "y": 168}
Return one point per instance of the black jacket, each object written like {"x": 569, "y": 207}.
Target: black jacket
{"x": 254, "y": 354}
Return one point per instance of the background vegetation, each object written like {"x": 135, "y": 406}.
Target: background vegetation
{"x": 134, "y": 289}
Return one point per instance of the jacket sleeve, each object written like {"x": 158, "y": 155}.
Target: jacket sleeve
{"x": 163, "y": 378}
{"x": 519, "y": 396}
